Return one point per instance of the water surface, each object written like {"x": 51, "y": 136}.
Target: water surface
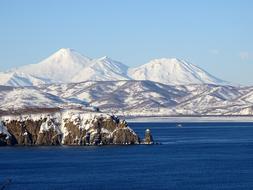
{"x": 194, "y": 156}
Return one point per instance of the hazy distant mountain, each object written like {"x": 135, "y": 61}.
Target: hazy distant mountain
{"x": 67, "y": 65}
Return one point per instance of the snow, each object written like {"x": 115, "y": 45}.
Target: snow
{"x": 57, "y": 120}
{"x": 17, "y": 98}
{"x": 50, "y": 123}
{"x": 172, "y": 71}
{"x": 131, "y": 98}
{"x": 60, "y": 67}
{"x": 68, "y": 66}
{"x": 145, "y": 97}
{"x": 102, "y": 69}
{"x": 180, "y": 87}
{"x": 21, "y": 79}
{"x": 248, "y": 97}
{"x": 3, "y": 130}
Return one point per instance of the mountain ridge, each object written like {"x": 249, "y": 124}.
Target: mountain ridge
{"x": 67, "y": 65}
{"x": 132, "y": 98}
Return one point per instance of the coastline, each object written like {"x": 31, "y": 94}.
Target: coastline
{"x": 189, "y": 119}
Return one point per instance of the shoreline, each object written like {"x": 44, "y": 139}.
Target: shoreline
{"x": 189, "y": 119}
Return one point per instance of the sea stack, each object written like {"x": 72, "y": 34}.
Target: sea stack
{"x": 148, "y": 137}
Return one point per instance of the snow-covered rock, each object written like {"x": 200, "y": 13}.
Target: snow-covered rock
{"x": 69, "y": 127}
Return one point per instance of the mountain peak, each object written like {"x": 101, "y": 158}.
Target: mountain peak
{"x": 173, "y": 71}
{"x": 105, "y": 58}
{"x": 167, "y": 61}
{"x": 66, "y": 50}
{"x": 60, "y": 66}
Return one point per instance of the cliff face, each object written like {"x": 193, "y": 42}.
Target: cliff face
{"x": 65, "y": 128}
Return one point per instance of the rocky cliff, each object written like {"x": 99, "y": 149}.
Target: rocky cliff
{"x": 65, "y": 128}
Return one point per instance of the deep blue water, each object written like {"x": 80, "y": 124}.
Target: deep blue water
{"x": 197, "y": 156}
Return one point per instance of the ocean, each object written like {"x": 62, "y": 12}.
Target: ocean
{"x": 192, "y": 156}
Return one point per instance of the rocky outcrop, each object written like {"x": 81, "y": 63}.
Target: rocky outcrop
{"x": 148, "y": 137}
{"x": 65, "y": 128}
{"x": 5, "y": 137}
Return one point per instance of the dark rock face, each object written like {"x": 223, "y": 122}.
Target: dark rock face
{"x": 47, "y": 130}
{"x": 103, "y": 131}
{"x": 148, "y": 137}
{"x": 125, "y": 136}
{"x": 23, "y": 132}
{"x": 50, "y": 137}
{"x": 3, "y": 139}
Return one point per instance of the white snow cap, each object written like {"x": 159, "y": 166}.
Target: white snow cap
{"x": 172, "y": 71}
{"x": 67, "y": 66}
{"x": 61, "y": 66}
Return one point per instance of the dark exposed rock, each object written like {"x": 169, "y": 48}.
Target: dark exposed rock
{"x": 125, "y": 136}
{"x": 3, "y": 139}
{"x": 75, "y": 136}
{"x": 50, "y": 137}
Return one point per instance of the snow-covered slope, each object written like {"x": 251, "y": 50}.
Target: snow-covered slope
{"x": 20, "y": 98}
{"x": 67, "y": 65}
{"x": 174, "y": 72}
{"x": 21, "y": 79}
{"x": 102, "y": 69}
{"x": 62, "y": 66}
{"x": 151, "y": 98}
{"x": 29, "y": 98}
{"x": 129, "y": 97}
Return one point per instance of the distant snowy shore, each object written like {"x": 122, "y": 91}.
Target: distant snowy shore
{"x": 186, "y": 119}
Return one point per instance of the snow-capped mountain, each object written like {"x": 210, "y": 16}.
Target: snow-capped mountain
{"x": 102, "y": 69}
{"x": 62, "y": 66}
{"x": 21, "y": 79}
{"x": 174, "y": 72}
{"x": 162, "y": 87}
{"x": 67, "y": 65}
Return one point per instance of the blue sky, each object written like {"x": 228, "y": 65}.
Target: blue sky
{"x": 216, "y": 35}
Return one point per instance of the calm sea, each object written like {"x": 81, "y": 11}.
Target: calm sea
{"x": 195, "y": 156}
